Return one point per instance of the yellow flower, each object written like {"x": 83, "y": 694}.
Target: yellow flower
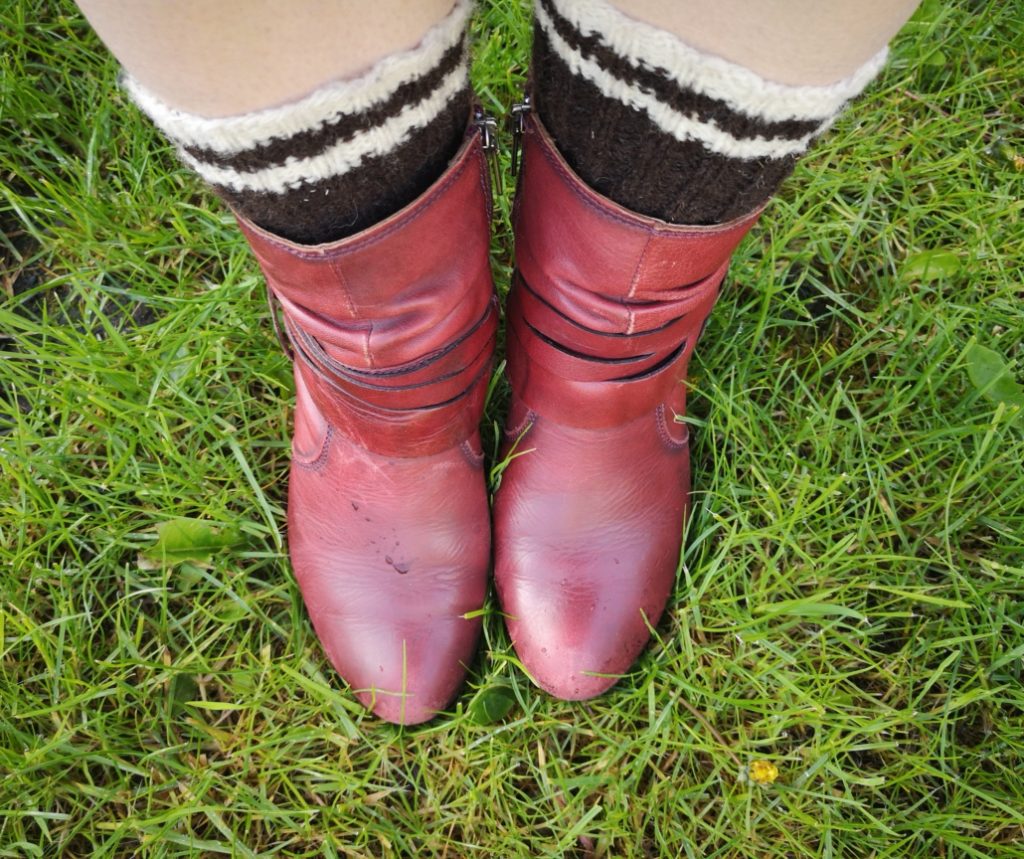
{"x": 763, "y": 772}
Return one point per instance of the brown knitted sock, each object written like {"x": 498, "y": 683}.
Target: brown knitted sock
{"x": 662, "y": 128}
{"x": 343, "y": 157}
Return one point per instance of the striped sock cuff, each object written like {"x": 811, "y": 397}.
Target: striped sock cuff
{"x": 347, "y": 154}
{"x": 641, "y": 91}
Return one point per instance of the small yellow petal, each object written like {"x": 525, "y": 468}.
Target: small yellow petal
{"x": 763, "y": 772}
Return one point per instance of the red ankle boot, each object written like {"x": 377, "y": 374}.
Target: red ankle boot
{"x": 392, "y": 331}
{"x": 605, "y": 310}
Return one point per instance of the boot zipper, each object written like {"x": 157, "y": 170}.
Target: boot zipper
{"x": 488, "y": 126}
{"x": 517, "y": 123}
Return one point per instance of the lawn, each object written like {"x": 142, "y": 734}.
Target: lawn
{"x": 849, "y": 614}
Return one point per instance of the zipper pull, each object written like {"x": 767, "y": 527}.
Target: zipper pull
{"x": 488, "y": 126}
{"x": 517, "y": 123}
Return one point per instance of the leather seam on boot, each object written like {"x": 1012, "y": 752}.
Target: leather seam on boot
{"x": 351, "y": 386}
{"x": 663, "y": 365}
{"x": 316, "y": 463}
{"x": 607, "y": 216}
{"x": 665, "y": 325}
{"x": 402, "y": 369}
{"x": 530, "y": 418}
{"x": 380, "y": 410}
{"x": 661, "y": 420}
{"x": 474, "y": 459}
{"x": 634, "y": 282}
{"x": 583, "y": 356}
{"x": 356, "y": 382}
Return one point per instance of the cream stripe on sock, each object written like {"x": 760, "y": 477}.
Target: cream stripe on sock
{"x": 740, "y": 88}
{"x": 669, "y": 120}
{"x": 343, "y": 156}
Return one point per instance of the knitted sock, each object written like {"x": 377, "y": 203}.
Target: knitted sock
{"x": 664, "y": 129}
{"x": 343, "y": 157}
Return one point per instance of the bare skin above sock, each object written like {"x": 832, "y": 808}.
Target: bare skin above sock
{"x": 663, "y": 128}
{"x": 344, "y": 156}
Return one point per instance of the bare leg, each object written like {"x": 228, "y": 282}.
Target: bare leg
{"x": 794, "y": 42}
{"x": 235, "y": 56}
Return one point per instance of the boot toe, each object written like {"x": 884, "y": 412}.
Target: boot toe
{"x": 578, "y": 628}
{"x": 402, "y": 651}
{"x": 405, "y": 673}
{"x": 587, "y": 535}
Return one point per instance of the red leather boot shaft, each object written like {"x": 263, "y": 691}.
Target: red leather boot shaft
{"x": 394, "y": 327}
{"x": 400, "y": 290}
{"x": 393, "y": 332}
{"x": 630, "y": 291}
{"x": 607, "y": 306}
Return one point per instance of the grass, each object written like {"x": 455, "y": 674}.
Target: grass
{"x": 850, "y": 605}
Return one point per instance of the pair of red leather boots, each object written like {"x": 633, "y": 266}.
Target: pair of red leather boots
{"x": 393, "y": 332}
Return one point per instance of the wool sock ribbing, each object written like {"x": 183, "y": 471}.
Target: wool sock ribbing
{"x": 346, "y": 155}
{"x": 664, "y": 129}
